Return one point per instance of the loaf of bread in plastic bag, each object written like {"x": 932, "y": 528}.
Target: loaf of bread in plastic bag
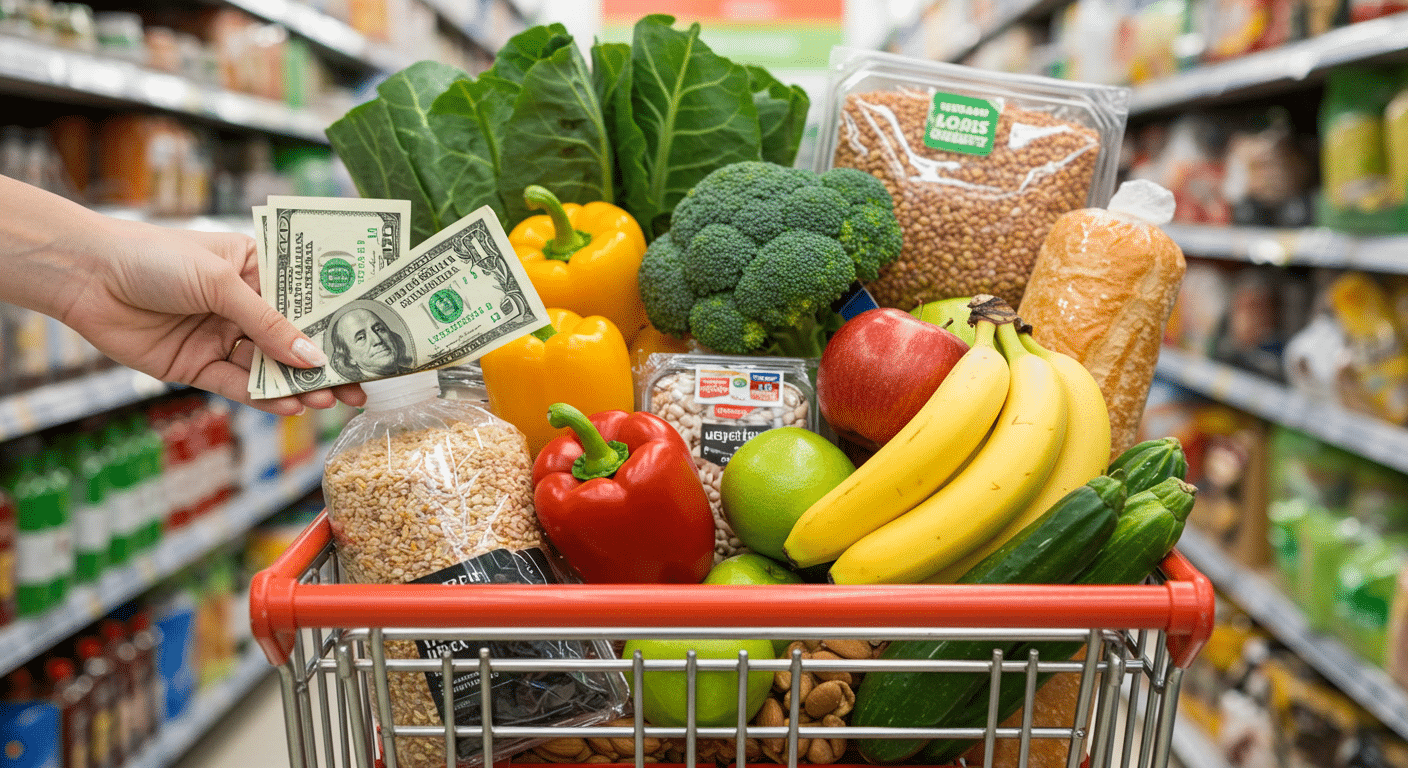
{"x": 1102, "y": 289}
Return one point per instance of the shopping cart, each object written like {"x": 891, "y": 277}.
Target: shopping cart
{"x": 329, "y": 642}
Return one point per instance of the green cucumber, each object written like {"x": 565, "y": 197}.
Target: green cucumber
{"x": 1052, "y": 549}
{"x": 1147, "y": 529}
{"x": 1151, "y": 462}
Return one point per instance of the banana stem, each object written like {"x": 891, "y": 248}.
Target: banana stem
{"x": 1010, "y": 342}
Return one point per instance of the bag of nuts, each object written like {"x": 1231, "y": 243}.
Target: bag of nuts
{"x": 980, "y": 164}
{"x": 427, "y": 490}
{"x": 718, "y": 402}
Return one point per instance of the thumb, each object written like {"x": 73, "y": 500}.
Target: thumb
{"x": 269, "y": 330}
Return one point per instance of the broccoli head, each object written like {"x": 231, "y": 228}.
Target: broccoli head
{"x": 663, "y": 289}
{"x": 757, "y": 252}
{"x": 872, "y": 238}
{"x": 715, "y": 258}
{"x": 857, "y": 186}
{"x": 716, "y": 322}
{"x": 796, "y": 274}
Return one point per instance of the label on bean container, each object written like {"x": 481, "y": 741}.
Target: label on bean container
{"x": 961, "y": 124}
{"x": 517, "y": 698}
{"x": 750, "y": 387}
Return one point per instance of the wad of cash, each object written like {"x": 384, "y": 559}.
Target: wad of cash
{"x": 343, "y": 271}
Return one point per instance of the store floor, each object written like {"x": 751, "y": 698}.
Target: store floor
{"x": 251, "y": 736}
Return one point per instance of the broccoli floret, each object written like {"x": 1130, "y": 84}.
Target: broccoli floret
{"x": 872, "y": 238}
{"x": 715, "y": 258}
{"x": 663, "y": 289}
{"x": 796, "y": 274}
{"x": 815, "y": 209}
{"x": 772, "y": 245}
{"x": 716, "y": 322}
{"x": 857, "y": 186}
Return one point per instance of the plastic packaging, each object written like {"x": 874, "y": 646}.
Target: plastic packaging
{"x": 432, "y": 491}
{"x": 717, "y": 403}
{"x": 980, "y": 164}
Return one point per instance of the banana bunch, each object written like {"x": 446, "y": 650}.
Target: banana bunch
{"x": 1012, "y": 429}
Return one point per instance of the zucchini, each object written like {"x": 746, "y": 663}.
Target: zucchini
{"x": 1147, "y": 529}
{"x": 1151, "y": 462}
{"x": 1054, "y": 548}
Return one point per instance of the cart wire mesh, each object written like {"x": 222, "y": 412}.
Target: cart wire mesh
{"x": 329, "y": 642}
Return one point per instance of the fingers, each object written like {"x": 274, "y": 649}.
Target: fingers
{"x": 264, "y": 326}
{"x": 231, "y": 381}
{"x": 351, "y": 394}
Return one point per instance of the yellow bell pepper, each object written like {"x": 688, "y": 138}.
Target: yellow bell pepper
{"x": 583, "y": 258}
{"x": 582, "y": 361}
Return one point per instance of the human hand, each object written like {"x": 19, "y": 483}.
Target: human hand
{"x": 179, "y": 305}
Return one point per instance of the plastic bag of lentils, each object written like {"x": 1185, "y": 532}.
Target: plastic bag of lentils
{"x": 980, "y": 164}
{"x": 427, "y": 490}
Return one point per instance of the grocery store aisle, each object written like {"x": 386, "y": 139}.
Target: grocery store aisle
{"x": 250, "y": 736}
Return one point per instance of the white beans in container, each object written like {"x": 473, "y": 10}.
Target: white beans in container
{"x": 717, "y": 403}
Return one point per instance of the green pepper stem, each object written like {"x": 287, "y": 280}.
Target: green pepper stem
{"x": 599, "y": 458}
{"x": 566, "y": 240}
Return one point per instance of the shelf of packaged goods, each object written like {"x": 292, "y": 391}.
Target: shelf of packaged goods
{"x": 178, "y": 735}
{"x": 1006, "y": 16}
{"x": 330, "y": 33}
{"x": 1360, "y": 434}
{"x": 1264, "y": 602}
{"x": 1311, "y": 246}
{"x": 1276, "y": 70}
{"x": 52, "y": 71}
{"x": 27, "y": 638}
{"x": 49, "y": 405}
{"x": 476, "y": 20}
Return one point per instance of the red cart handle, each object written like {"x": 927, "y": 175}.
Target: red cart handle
{"x": 279, "y": 605}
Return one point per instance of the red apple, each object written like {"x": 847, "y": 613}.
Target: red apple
{"x": 878, "y": 371}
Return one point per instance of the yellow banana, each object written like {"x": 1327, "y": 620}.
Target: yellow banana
{"x": 925, "y": 453}
{"x": 1001, "y": 480}
{"x": 1084, "y": 454}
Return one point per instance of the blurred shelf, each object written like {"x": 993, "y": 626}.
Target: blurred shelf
{"x": 52, "y": 404}
{"x": 177, "y": 736}
{"x": 27, "y": 638}
{"x": 1193, "y": 747}
{"x": 329, "y": 33}
{"x": 475, "y": 20}
{"x": 1275, "y": 71}
{"x": 1368, "y": 685}
{"x": 1310, "y": 246}
{"x": 1360, "y": 434}
{"x": 1018, "y": 12}
{"x": 204, "y": 223}
{"x": 48, "y": 71}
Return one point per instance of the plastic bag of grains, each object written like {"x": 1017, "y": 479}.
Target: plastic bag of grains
{"x": 717, "y": 403}
{"x": 427, "y": 490}
{"x": 980, "y": 164}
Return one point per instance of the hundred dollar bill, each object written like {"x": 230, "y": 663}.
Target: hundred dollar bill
{"x": 455, "y": 297}
{"x": 314, "y": 250}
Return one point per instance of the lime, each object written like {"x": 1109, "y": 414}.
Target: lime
{"x": 772, "y": 479}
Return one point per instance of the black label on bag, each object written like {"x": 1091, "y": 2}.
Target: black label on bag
{"x": 517, "y": 698}
{"x": 719, "y": 440}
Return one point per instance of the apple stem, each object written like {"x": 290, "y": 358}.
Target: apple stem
{"x": 599, "y": 458}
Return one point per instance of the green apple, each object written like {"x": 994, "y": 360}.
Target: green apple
{"x": 663, "y": 693}
{"x": 949, "y": 313}
{"x": 751, "y": 568}
{"x": 771, "y": 481}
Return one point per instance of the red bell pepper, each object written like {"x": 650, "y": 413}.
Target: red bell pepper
{"x": 631, "y": 510}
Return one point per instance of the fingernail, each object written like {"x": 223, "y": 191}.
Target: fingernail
{"x": 309, "y": 353}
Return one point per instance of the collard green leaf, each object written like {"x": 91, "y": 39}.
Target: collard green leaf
{"x": 469, "y": 119}
{"x": 527, "y": 48}
{"x": 408, "y": 95}
{"x": 611, "y": 72}
{"x": 365, "y": 140}
{"x": 694, "y": 107}
{"x": 557, "y": 136}
{"x": 782, "y": 115}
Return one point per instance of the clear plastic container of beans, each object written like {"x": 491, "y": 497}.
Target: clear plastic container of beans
{"x": 718, "y": 402}
{"x": 980, "y": 164}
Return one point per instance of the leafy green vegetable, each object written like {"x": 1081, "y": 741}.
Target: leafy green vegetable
{"x": 470, "y": 117}
{"x": 695, "y": 109}
{"x": 557, "y": 136}
{"x": 408, "y": 95}
{"x": 639, "y": 128}
{"x": 365, "y": 140}
{"x": 782, "y": 115}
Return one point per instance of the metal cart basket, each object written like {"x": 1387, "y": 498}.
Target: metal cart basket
{"x": 329, "y": 642}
